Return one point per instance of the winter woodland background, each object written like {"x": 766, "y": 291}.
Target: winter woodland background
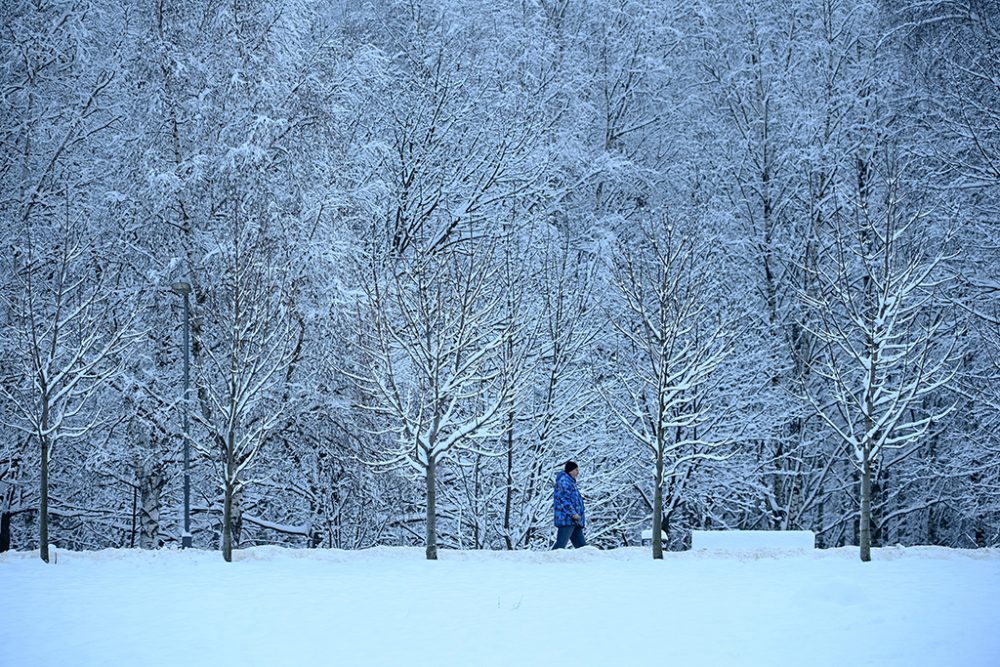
{"x": 744, "y": 247}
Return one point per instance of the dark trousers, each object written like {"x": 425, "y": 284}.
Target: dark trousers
{"x": 566, "y": 534}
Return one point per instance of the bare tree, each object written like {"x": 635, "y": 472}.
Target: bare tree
{"x": 880, "y": 353}
{"x": 432, "y": 334}
{"x": 246, "y": 360}
{"x": 70, "y": 342}
{"x": 62, "y": 300}
{"x": 665, "y": 379}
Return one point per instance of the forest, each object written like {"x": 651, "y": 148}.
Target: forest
{"x": 371, "y": 273}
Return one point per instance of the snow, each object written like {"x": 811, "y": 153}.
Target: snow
{"x": 751, "y": 540}
{"x": 387, "y": 606}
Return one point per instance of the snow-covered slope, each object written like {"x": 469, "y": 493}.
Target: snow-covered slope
{"x": 387, "y": 606}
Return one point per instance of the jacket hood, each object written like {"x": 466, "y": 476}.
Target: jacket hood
{"x": 563, "y": 473}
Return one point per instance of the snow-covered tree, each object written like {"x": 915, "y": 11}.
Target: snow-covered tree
{"x": 70, "y": 342}
{"x": 241, "y": 382}
{"x": 431, "y": 332}
{"x": 147, "y": 131}
{"x": 881, "y": 353}
{"x": 673, "y": 348}
{"x": 68, "y": 317}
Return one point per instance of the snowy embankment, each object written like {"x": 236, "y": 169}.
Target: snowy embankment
{"x": 387, "y": 606}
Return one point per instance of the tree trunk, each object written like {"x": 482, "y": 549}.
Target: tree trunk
{"x": 227, "y": 507}
{"x": 227, "y": 525}
{"x": 236, "y": 516}
{"x": 864, "y": 524}
{"x": 509, "y": 495}
{"x": 432, "y": 550}
{"x": 658, "y": 508}
{"x": 151, "y": 481}
{"x": 135, "y": 512}
{"x": 821, "y": 513}
{"x": 4, "y": 531}
{"x": 855, "y": 525}
{"x": 43, "y": 509}
{"x": 316, "y": 536}
{"x": 478, "y": 536}
{"x": 778, "y": 514}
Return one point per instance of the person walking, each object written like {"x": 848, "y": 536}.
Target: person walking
{"x": 567, "y": 504}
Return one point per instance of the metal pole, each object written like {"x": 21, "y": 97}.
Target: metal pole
{"x": 186, "y": 537}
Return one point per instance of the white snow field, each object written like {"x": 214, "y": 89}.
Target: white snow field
{"x": 388, "y": 606}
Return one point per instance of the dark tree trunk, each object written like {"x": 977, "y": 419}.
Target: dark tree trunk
{"x": 855, "y": 525}
{"x": 227, "y": 508}
{"x": 236, "y": 516}
{"x": 135, "y": 509}
{"x": 864, "y": 527}
{"x": 43, "y": 509}
{"x": 432, "y": 551}
{"x": 509, "y": 494}
{"x": 5, "y": 531}
{"x": 658, "y": 508}
{"x": 316, "y": 535}
{"x": 227, "y": 525}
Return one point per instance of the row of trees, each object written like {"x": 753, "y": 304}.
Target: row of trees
{"x": 734, "y": 258}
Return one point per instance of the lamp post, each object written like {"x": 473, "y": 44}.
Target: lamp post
{"x": 184, "y": 290}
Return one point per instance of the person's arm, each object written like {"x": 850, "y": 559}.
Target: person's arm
{"x": 575, "y": 502}
{"x": 578, "y": 506}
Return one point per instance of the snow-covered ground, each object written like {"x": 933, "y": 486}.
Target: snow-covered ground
{"x": 387, "y": 606}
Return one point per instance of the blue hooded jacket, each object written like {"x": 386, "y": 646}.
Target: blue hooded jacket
{"x": 566, "y": 500}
